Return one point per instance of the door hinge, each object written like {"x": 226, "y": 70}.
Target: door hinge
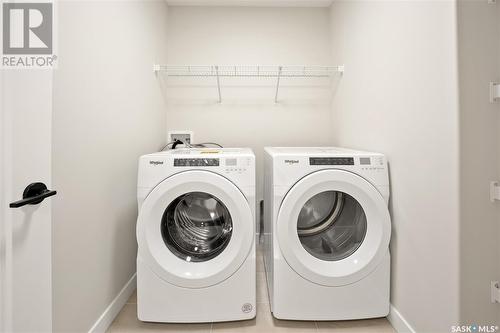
{"x": 494, "y": 191}
{"x": 495, "y": 292}
{"x": 494, "y": 92}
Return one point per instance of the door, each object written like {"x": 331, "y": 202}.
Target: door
{"x": 333, "y": 227}
{"x": 25, "y": 231}
{"x": 195, "y": 229}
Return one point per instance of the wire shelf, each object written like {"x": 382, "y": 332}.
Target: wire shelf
{"x": 249, "y": 71}
{"x": 276, "y": 71}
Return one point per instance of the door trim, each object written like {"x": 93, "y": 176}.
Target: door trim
{"x": 5, "y": 280}
{"x": 360, "y": 263}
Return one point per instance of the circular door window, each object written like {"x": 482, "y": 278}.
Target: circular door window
{"x": 331, "y": 225}
{"x": 196, "y": 227}
{"x": 195, "y": 216}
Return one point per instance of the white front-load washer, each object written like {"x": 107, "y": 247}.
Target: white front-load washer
{"x": 196, "y": 236}
{"x": 327, "y": 231}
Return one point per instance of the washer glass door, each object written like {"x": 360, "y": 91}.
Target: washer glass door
{"x": 196, "y": 226}
{"x": 331, "y": 225}
{"x": 195, "y": 229}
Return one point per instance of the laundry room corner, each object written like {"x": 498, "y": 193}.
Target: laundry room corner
{"x": 108, "y": 110}
{"x": 399, "y": 96}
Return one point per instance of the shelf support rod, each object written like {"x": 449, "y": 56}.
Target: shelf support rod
{"x": 278, "y": 84}
{"x": 218, "y": 83}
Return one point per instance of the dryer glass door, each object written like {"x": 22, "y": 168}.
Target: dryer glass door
{"x": 331, "y": 225}
{"x": 196, "y": 226}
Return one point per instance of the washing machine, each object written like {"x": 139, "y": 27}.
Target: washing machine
{"x": 196, "y": 236}
{"x": 327, "y": 231}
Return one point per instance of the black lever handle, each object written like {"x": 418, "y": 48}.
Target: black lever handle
{"x": 33, "y": 194}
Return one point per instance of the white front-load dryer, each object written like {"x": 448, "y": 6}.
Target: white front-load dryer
{"x": 196, "y": 236}
{"x": 327, "y": 231}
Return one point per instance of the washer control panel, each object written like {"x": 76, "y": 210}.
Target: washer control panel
{"x": 196, "y": 162}
{"x": 236, "y": 165}
{"x": 372, "y": 164}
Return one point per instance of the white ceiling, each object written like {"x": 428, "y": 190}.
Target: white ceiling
{"x": 252, "y": 3}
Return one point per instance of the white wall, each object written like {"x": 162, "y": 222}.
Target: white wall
{"x": 108, "y": 110}
{"x": 248, "y": 115}
{"x": 479, "y": 54}
{"x": 399, "y": 97}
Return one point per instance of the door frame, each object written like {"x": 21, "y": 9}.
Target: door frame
{"x": 5, "y": 281}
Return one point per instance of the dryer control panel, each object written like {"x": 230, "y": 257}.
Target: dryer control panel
{"x": 365, "y": 163}
{"x": 331, "y": 161}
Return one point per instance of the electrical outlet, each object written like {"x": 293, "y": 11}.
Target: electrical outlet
{"x": 184, "y": 136}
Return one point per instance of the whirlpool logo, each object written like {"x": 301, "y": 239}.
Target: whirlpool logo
{"x": 156, "y": 162}
{"x": 291, "y": 162}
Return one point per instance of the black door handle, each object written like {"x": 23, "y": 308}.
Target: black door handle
{"x": 33, "y": 194}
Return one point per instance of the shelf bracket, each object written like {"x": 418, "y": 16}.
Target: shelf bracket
{"x": 156, "y": 69}
{"x": 494, "y": 191}
{"x": 280, "y": 68}
{"x": 218, "y": 82}
{"x": 494, "y": 92}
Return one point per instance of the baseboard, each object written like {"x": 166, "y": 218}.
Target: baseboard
{"x": 107, "y": 317}
{"x": 399, "y": 323}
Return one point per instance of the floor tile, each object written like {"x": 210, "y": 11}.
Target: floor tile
{"x": 127, "y": 322}
{"x": 265, "y": 322}
{"x": 259, "y": 266}
{"x": 262, "y": 295}
{"x": 133, "y": 298}
{"x": 380, "y": 325}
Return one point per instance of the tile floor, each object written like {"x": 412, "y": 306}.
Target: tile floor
{"x": 127, "y": 321}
